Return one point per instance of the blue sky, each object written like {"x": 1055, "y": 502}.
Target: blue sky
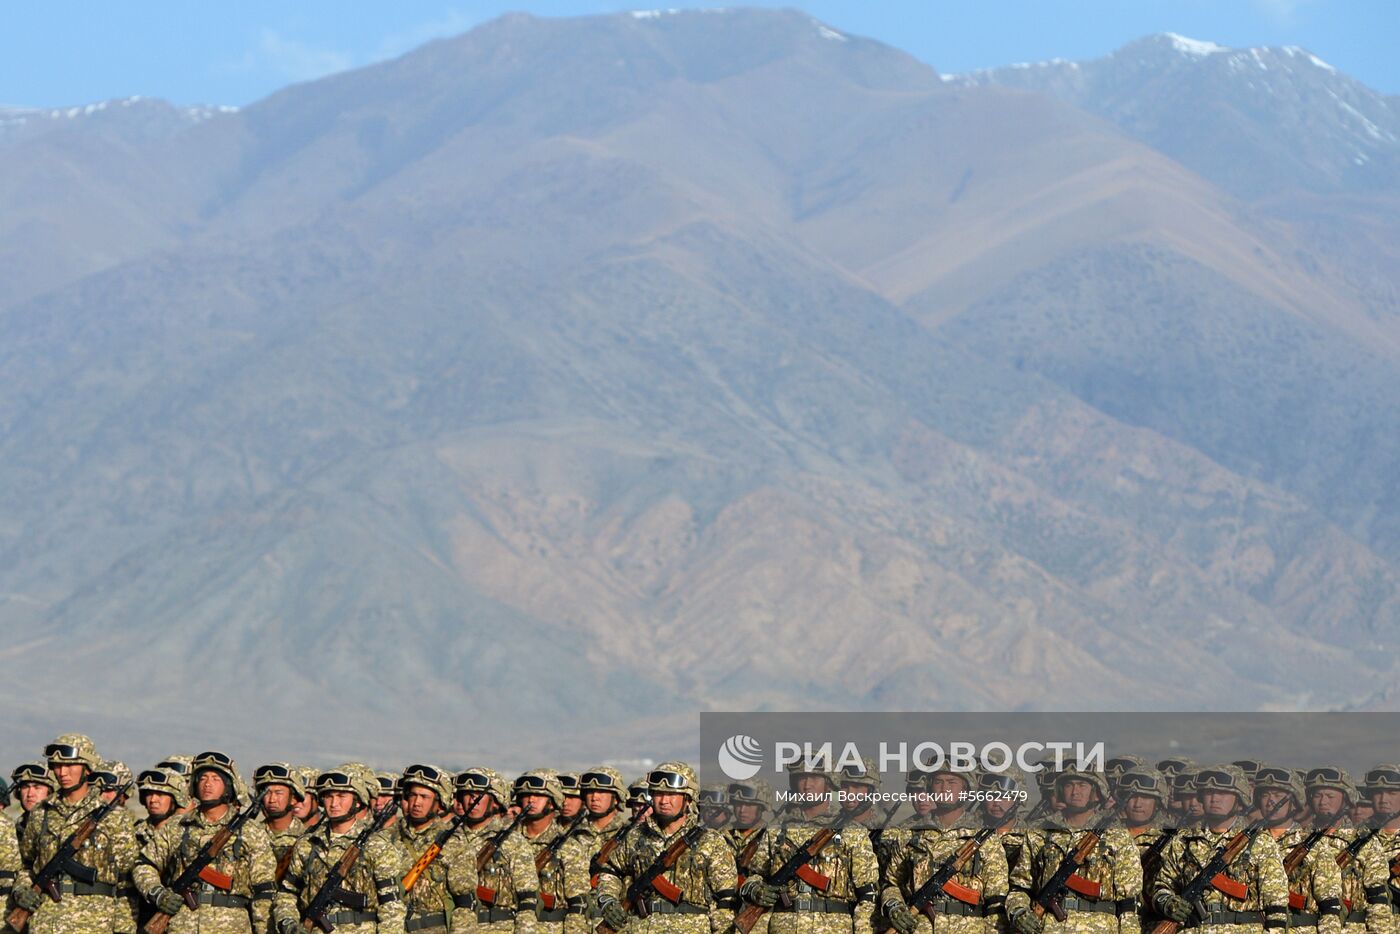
{"x": 64, "y": 52}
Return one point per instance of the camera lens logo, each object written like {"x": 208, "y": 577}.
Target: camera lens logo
{"x": 740, "y": 757}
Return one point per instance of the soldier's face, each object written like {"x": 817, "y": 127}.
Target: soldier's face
{"x": 480, "y": 808}
{"x": 420, "y": 803}
{"x": 746, "y": 815}
{"x": 668, "y": 803}
{"x": 69, "y": 775}
{"x": 276, "y": 801}
{"x": 1362, "y": 812}
{"x": 1272, "y": 802}
{"x": 599, "y": 802}
{"x": 1139, "y": 809}
{"x": 338, "y": 804}
{"x": 1077, "y": 794}
{"x": 535, "y": 805}
{"x": 209, "y": 785}
{"x": 1327, "y": 802}
{"x": 305, "y": 807}
{"x": 31, "y": 793}
{"x": 572, "y": 805}
{"x": 383, "y": 801}
{"x": 1219, "y": 803}
{"x": 811, "y": 784}
{"x": 1385, "y": 802}
{"x": 158, "y": 804}
{"x": 998, "y": 808}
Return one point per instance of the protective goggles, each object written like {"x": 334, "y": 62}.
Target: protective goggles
{"x": 598, "y": 781}
{"x": 1383, "y": 778}
{"x": 62, "y": 751}
{"x": 1172, "y": 766}
{"x": 212, "y": 758}
{"x": 334, "y": 781}
{"x": 1325, "y": 775}
{"x": 104, "y": 780}
{"x": 29, "y": 772}
{"x": 531, "y": 783}
{"x": 667, "y": 779}
{"x": 472, "y": 781}
{"x": 1130, "y": 782}
{"x": 1214, "y": 778}
{"x": 387, "y": 785}
{"x": 422, "y": 773}
{"x": 1121, "y": 764}
{"x": 570, "y": 784}
{"x": 1273, "y": 777}
{"x": 271, "y": 774}
{"x": 714, "y": 798}
{"x": 174, "y": 765}
{"x": 853, "y": 771}
{"x": 992, "y": 782}
{"x": 743, "y": 794}
{"x": 1250, "y": 766}
{"x": 154, "y": 777}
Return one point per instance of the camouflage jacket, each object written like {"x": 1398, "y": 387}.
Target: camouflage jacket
{"x": 429, "y": 894}
{"x": 928, "y": 848}
{"x": 1114, "y": 863}
{"x": 375, "y": 875}
{"x": 11, "y": 866}
{"x": 563, "y": 874}
{"x": 507, "y": 881}
{"x": 848, "y": 861}
{"x": 704, "y": 874}
{"x": 246, "y": 859}
{"x": 1259, "y": 866}
{"x": 1316, "y": 881}
{"x": 111, "y": 852}
{"x": 750, "y": 848}
{"x": 284, "y": 839}
{"x": 1364, "y": 879}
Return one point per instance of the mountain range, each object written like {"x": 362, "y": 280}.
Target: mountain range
{"x": 523, "y": 395}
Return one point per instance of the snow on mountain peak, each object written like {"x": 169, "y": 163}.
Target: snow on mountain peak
{"x": 1196, "y": 48}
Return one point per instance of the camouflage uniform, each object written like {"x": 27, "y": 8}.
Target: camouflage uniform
{"x": 1363, "y": 880}
{"x": 375, "y": 875}
{"x": 924, "y": 852}
{"x": 849, "y": 861}
{"x": 508, "y": 878}
{"x": 1316, "y": 882}
{"x": 107, "y": 904}
{"x": 563, "y": 880}
{"x": 283, "y": 840}
{"x": 1114, "y": 864}
{"x": 1260, "y": 866}
{"x": 11, "y": 866}
{"x": 427, "y": 904}
{"x": 247, "y": 858}
{"x": 705, "y": 875}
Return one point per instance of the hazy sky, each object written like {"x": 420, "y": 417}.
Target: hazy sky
{"x": 63, "y": 52}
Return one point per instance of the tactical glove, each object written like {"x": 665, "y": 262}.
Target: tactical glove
{"x": 614, "y": 916}
{"x": 1176, "y": 908}
{"x": 901, "y": 918}
{"x": 760, "y": 893}
{"x": 1026, "y": 922}
{"x": 166, "y": 900}
{"x": 288, "y": 926}
{"x": 28, "y": 897}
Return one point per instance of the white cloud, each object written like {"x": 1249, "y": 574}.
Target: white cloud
{"x": 1282, "y": 12}
{"x": 450, "y": 23}
{"x": 292, "y": 59}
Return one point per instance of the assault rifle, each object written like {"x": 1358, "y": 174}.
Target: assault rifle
{"x": 654, "y": 879}
{"x": 600, "y": 859}
{"x": 484, "y": 893}
{"x": 547, "y": 853}
{"x": 434, "y": 849}
{"x": 746, "y": 855}
{"x": 201, "y": 868}
{"x": 1067, "y": 879}
{"x": 941, "y": 882}
{"x": 1212, "y": 875}
{"x": 1297, "y": 900}
{"x": 796, "y": 867}
{"x": 64, "y": 862}
{"x": 332, "y": 890}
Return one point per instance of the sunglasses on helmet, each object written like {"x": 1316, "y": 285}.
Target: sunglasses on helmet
{"x": 1120, "y": 764}
{"x": 271, "y": 773}
{"x": 531, "y": 783}
{"x": 29, "y": 772}
{"x": 174, "y": 765}
{"x": 1383, "y": 778}
{"x": 570, "y": 783}
{"x": 997, "y": 782}
{"x": 1273, "y": 775}
{"x": 105, "y": 779}
{"x": 714, "y": 798}
{"x": 153, "y": 777}
{"x": 1214, "y": 778}
{"x": 212, "y": 757}
{"x": 1324, "y": 774}
{"x": 474, "y": 781}
{"x": 1250, "y": 766}
{"x": 333, "y": 781}
{"x": 743, "y": 794}
{"x": 1136, "y": 781}
{"x": 423, "y": 773}
{"x": 62, "y": 751}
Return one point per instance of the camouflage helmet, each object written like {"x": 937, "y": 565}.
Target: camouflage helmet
{"x": 308, "y": 775}
{"x": 539, "y": 782}
{"x": 1117, "y": 765}
{"x": 1172, "y": 766}
{"x": 481, "y": 780}
{"x": 1096, "y": 778}
{"x": 864, "y": 774}
{"x": 677, "y": 777}
{"x": 1276, "y": 778}
{"x": 222, "y": 764}
{"x": 1382, "y": 777}
{"x": 1330, "y": 776}
{"x": 163, "y": 781}
{"x": 751, "y": 791}
{"x": 638, "y": 793}
{"x": 802, "y": 767}
{"x": 1046, "y": 774}
{"x": 569, "y": 782}
{"x": 36, "y": 772}
{"x": 436, "y": 780}
{"x": 112, "y": 774}
{"x": 180, "y": 765}
{"x": 1009, "y": 780}
{"x": 1143, "y": 781}
{"x": 714, "y": 796}
{"x": 70, "y": 748}
{"x": 1249, "y": 767}
{"x": 603, "y": 778}
{"x": 388, "y": 783}
{"x": 352, "y": 777}
{"x": 280, "y": 773}
{"x": 1229, "y": 778}
{"x": 1184, "y": 782}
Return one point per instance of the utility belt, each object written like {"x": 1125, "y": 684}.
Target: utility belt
{"x": 815, "y": 903}
{"x": 437, "y": 919}
{"x": 350, "y": 916}
{"x": 220, "y": 900}
{"x": 488, "y": 914}
{"x": 1227, "y": 917}
{"x": 660, "y": 906}
{"x": 69, "y": 887}
{"x": 1107, "y": 906}
{"x": 550, "y": 914}
{"x": 951, "y": 906}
